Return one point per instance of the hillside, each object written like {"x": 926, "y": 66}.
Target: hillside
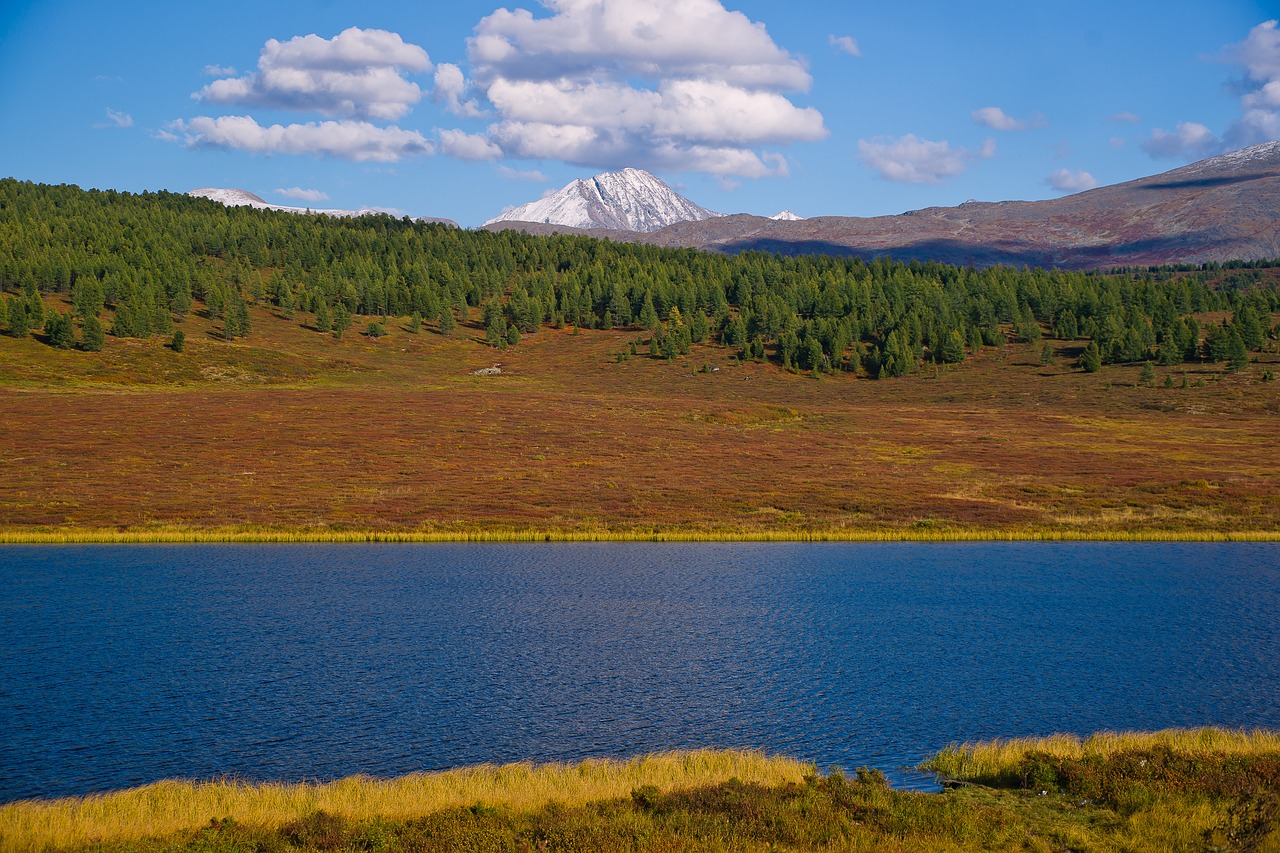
{"x": 316, "y": 393}
{"x": 1221, "y": 209}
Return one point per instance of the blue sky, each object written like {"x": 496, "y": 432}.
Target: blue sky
{"x": 462, "y": 109}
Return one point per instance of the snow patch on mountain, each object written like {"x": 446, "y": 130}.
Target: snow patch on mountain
{"x": 786, "y": 216}
{"x": 629, "y": 200}
{"x": 1266, "y": 154}
{"x": 243, "y": 198}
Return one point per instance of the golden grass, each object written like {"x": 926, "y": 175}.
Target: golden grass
{"x": 170, "y": 807}
{"x": 924, "y": 533}
{"x": 992, "y": 759}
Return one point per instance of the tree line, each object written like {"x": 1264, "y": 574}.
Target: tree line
{"x": 133, "y": 265}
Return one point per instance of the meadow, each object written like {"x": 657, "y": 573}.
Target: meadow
{"x": 289, "y": 433}
{"x": 1199, "y": 790}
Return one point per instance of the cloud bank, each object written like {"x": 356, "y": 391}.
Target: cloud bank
{"x": 608, "y": 83}
{"x": 1259, "y": 120}
{"x": 356, "y": 74}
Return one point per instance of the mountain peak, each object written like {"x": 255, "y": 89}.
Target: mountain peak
{"x": 786, "y": 216}
{"x": 626, "y": 200}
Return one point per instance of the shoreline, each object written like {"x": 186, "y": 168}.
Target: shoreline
{"x": 234, "y": 535}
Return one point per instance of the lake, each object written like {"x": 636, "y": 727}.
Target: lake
{"x": 122, "y": 665}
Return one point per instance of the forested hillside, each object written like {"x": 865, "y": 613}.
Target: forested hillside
{"x": 136, "y": 265}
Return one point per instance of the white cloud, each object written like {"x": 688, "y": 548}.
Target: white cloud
{"x": 847, "y": 44}
{"x": 349, "y": 140}
{"x": 356, "y": 74}
{"x": 518, "y": 175}
{"x": 613, "y": 83}
{"x": 219, "y": 70}
{"x": 116, "y": 119}
{"x": 450, "y": 86}
{"x": 1065, "y": 180}
{"x": 467, "y": 146}
{"x": 1118, "y": 142}
{"x": 1190, "y": 140}
{"x": 912, "y": 160}
{"x": 302, "y": 195}
{"x": 997, "y": 119}
{"x": 1125, "y": 118}
{"x": 1259, "y": 120}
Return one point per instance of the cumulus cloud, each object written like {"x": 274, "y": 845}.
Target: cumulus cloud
{"x": 612, "y": 83}
{"x": 1259, "y": 120}
{"x": 1065, "y": 180}
{"x": 356, "y": 74}
{"x": 302, "y": 194}
{"x": 912, "y": 160}
{"x": 1189, "y": 140}
{"x": 996, "y": 119}
{"x": 846, "y": 44}
{"x": 348, "y": 140}
{"x": 467, "y": 146}
{"x": 450, "y": 87}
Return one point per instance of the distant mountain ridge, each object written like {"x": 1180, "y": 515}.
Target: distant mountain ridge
{"x": 244, "y": 198}
{"x": 628, "y": 200}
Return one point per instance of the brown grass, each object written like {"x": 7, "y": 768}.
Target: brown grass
{"x": 293, "y": 433}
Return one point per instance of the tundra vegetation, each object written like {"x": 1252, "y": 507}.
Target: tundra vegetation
{"x": 644, "y": 392}
{"x": 1200, "y": 790}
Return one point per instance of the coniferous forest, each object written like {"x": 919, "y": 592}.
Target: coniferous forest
{"x": 310, "y": 376}
{"x": 136, "y": 265}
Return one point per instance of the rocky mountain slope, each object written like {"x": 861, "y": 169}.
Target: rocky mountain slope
{"x": 629, "y": 200}
{"x": 1220, "y": 209}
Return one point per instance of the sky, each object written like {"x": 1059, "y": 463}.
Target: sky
{"x": 466, "y": 108}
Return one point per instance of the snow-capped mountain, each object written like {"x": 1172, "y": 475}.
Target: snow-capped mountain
{"x": 629, "y": 200}
{"x": 786, "y": 216}
{"x": 243, "y": 198}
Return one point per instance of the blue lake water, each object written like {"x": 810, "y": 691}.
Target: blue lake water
{"x": 124, "y": 665}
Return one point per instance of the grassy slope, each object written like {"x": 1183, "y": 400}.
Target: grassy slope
{"x": 290, "y": 432}
{"x": 1171, "y": 791}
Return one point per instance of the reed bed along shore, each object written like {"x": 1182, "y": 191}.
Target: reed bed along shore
{"x": 921, "y": 533}
{"x": 170, "y": 807}
{"x": 1001, "y": 759}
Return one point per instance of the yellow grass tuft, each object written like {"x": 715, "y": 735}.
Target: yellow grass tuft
{"x": 993, "y": 759}
{"x": 169, "y": 807}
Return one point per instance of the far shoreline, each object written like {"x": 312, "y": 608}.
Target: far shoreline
{"x": 926, "y": 533}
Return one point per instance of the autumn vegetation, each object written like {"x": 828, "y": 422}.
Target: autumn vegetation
{"x": 1200, "y": 790}
{"x": 175, "y": 370}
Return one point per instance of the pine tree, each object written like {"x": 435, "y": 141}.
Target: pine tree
{"x": 60, "y": 330}
{"x": 447, "y": 322}
{"x": 1091, "y": 358}
{"x": 92, "y": 337}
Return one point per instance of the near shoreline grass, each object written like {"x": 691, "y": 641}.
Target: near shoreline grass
{"x": 1200, "y": 790}
{"x": 920, "y": 533}
{"x": 165, "y": 808}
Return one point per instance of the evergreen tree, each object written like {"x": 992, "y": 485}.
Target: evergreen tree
{"x": 1091, "y": 358}
{"x": 341, "y": 319}
{"x": 1237, "y": 354}
{"x": 447, "y": 322}
{"x": 179, "y": 341}
{"x": 92, "y": 337}
{"x": 324, "y": 320}
{"x": 61, "y": 331}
